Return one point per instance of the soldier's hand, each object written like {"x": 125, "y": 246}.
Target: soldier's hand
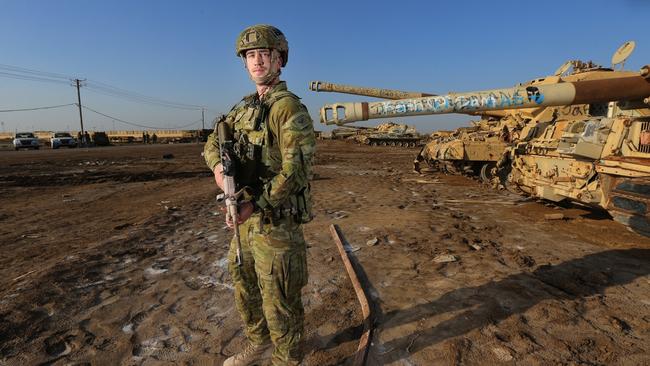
{"x": 218, "y": 175}
{"x": 244, "y": 212}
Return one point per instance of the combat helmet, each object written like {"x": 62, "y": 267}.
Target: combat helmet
{"x": 263, "y": 36}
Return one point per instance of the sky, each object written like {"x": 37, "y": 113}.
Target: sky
{"x": 157, "y": 63}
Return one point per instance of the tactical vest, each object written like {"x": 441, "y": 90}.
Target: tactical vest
{"x": 258, "y": 157}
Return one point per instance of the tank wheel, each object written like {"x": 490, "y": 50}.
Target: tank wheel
{"x": 374, "y": 143}
{"x": 383, "y": 143}
{"x": 486, "y": 173}
{"x": 392, "y": 143}
{"x": 414, "y": 144}
{"x": 400, "y": 144}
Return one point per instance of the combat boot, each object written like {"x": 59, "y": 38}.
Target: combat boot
{"x": 251, "y": 355}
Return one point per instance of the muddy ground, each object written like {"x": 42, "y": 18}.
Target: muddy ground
{"x": 116, "y": 256}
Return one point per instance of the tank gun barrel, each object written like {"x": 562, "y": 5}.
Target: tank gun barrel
{"x": 565, "y": 93}
{"x": 322, "y": 86}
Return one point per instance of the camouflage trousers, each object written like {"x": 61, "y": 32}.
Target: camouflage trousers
{"x": 268, "y": 284}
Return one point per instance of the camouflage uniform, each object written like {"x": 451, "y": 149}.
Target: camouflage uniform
{"x": 276, "y": 147}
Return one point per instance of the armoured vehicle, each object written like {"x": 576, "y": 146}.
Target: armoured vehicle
{"x": 476, "y": 150}
{"x": 347, "y": 132}
{"x": 390, "y": 134}
{"x": 600, "y": 159}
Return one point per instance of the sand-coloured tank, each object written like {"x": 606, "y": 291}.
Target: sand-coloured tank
{"x": 476, "y": 150}
{"x": 601, "y": 158}
{"x": 390, "y": 134}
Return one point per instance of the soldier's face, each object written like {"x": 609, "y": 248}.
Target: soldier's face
{"x": 262, "y": 62}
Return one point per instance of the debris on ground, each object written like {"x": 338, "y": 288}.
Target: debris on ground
{"x": 445, "y": 258}
{"x": 372, "y": 242}
{"x": 554, "y": 216}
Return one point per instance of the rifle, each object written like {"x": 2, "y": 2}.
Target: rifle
{"x": 230, "y": 194}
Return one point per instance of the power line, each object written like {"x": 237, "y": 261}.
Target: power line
{"x": 37, "y": 108}
{"x": 138, "y": 99}
{"x": 31, "y": 78}
{"x": 116, "y": 90}
{"x": 22, "y": 73}
{"x": 141, "y": 125}
{"x": 34, "y": 72}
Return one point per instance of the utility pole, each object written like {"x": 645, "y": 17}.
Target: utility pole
{"x": 81, "y": 117}
{"x": 203, "y": 118}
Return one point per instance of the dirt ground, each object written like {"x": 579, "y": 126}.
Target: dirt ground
{"x": 116, "y": 256}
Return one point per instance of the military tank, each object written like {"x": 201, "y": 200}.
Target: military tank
{"x": 476, "y": 150}
{"x": 390, "y": 134}
{"x": 347, "y": 132}
{"x": 600, "y": 158}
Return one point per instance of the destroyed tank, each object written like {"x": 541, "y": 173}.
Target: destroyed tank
{"x": 476, "y": 150}
{"x": 347, "y": 132}
{"x": 599, "y": 159}
{"x": 390, "y": 134}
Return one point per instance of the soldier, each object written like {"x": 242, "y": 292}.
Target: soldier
{"x": 275, "y": 149}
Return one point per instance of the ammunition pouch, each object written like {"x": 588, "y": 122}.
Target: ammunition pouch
{"x": 248, "y": 151}
{"x": 296, "y": 207}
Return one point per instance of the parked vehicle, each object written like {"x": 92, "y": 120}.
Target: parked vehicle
{"x": 62, "y": 139}
{"x": 25, "y": 140}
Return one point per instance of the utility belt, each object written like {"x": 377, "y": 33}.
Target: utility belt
{"x": 275, "y": 215}
{"x": 296, "y": 208}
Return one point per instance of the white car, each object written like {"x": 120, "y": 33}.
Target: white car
{"x": 25, "y": 140}
{"x": 60, "y": 139}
